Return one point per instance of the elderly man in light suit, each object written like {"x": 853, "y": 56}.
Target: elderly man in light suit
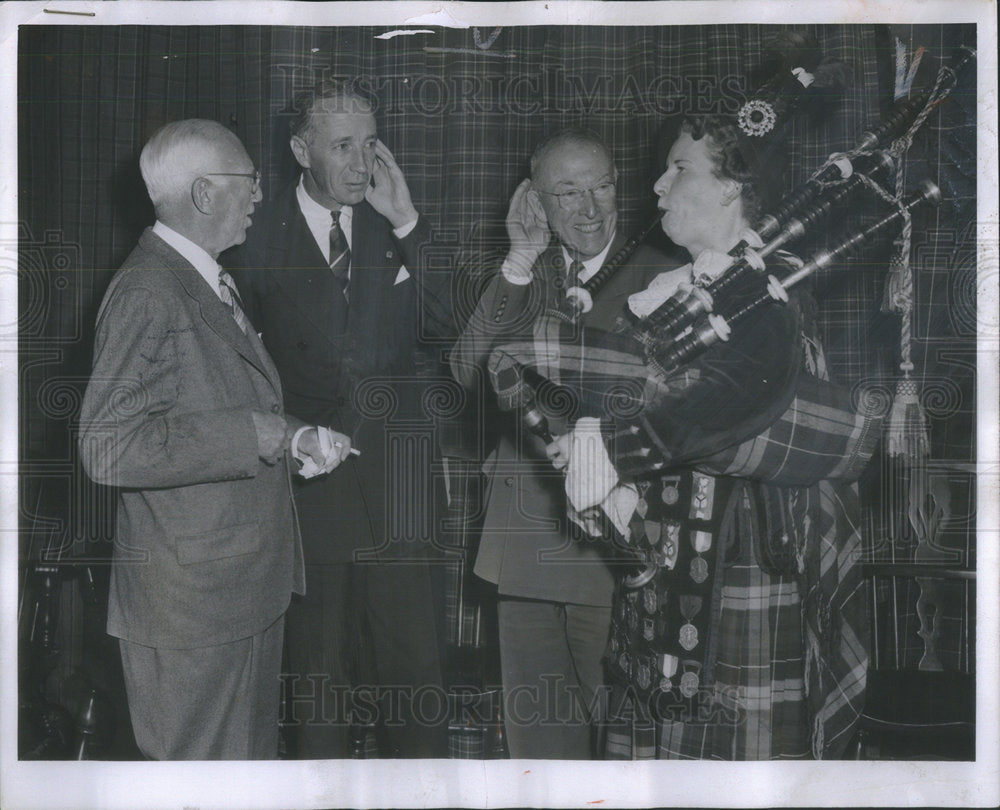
{"x": 184, "y": 413}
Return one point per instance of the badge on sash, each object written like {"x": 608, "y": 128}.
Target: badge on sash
{"x": 689, "y": 637}
{"x": 690, "y": 680}
{"x": 702, "y": 496}
{"x": 690, "y": 606}
{"x": 667, "y": 556}
{"x": 701, "y": 542}
{"x": 631, "y": 617}
{"x": 653, "y": 531}
{"x": 671, "y": 492}
{"x": 668, "y": 668}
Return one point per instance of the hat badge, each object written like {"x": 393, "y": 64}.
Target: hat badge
{"x": 756, "y": 118}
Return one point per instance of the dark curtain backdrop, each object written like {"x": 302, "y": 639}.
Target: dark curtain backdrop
{"x": 461, "y": 110}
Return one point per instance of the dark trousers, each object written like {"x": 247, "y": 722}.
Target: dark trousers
{"x": 218, "y": 702}
{"x": 553, "y": 677}
{"x": 366, "y": 639}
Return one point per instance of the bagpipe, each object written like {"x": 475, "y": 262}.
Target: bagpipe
{"x": 584, "y": 372}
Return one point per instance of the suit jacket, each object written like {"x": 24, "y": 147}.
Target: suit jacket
{"x": 529, "y": 548}
{"x": 353, "y": 371}
{"x": 206, "y": 546}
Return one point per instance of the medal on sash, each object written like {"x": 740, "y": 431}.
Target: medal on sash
{"x": 690, "y": 605}
{"x": 644, "y": 676}
{"x": 652, "y": 530}
{"x": 666, "y": 557}
{"x": 691, "y": 678}
{"x": 702, "y": 496}
{"x": 671, "y": 492}
{"x": 642, "y": 506}
{"x": 701, "y": 542}
{"x": 648, "y": 629}
{"x": 649, "y": 600}
{"x": 668, "y": 668}
{"x": 631, "y": 617}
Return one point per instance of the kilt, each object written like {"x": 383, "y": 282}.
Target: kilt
{"x": 756, "y": 707}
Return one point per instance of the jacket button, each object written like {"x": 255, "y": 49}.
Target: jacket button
{"x": 509, "y": 480}
{"x": 275, "y": 408}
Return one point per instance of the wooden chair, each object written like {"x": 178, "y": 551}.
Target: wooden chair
{"x": 920, "y": 700}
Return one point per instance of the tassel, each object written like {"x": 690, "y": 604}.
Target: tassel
{"x": 907, "y": 431}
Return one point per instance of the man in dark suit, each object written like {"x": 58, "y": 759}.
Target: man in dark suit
{"x": 332, "y": 276}
{"x": 184, "y": 413}
{"x": 554, "y": 583}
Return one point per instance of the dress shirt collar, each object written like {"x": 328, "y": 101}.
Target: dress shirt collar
{"x": 206, "y": 266}
{"x": 318, "y": 218}
{"x": 590, "y": 266}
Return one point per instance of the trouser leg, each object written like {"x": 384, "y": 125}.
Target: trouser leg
{"x": 405, "y": 626}
{"x": 217, "y": 702}
{"x": 544, "y": 652}
{"x": 323, "y": 645}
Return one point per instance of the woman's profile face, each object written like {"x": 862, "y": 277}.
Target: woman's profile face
{"x": 697, "y": 206}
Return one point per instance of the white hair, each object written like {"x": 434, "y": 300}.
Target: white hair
{"x": 179, "y": 150}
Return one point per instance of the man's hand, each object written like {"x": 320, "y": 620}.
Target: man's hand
{"x": 327, "y": 456}
{"x": 273, "y": 436}
{"x": 390, "y": 195}
{"x": 558, "y": 451}
{"x": 528, "y": 230}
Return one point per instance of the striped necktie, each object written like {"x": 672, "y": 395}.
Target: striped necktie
{"x": 340, "y": 254}
{"x": 231, "y": 298}
{"x": 573, "y": 277}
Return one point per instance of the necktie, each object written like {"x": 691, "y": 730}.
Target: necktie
{"x": 231, "y": 298}
{"x": 573, "y": 277}
{"x": 340, "y": 254}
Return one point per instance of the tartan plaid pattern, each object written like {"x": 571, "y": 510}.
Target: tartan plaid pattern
{"x": 462, "y": 121}
{"x": 97, "y": 93}
{"x": 756, "y": 707}
{"x": 820, "y": 436}
{"x": 799, "y": 689}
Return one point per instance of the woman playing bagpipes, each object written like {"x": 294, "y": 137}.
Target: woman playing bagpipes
{"x": 740, "y": 633}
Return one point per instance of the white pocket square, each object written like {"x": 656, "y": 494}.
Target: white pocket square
{"x": 402, "y": 275}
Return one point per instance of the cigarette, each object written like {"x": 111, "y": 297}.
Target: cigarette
{"x": 354, "y": 450}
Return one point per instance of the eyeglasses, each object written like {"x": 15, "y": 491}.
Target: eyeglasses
{"x": 569, "y": 200}
{"x": 253, "y": 178}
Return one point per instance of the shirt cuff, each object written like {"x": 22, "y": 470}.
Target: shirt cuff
{"x": 590, "y": 475}
{"x": 300, "y": 457}
{"x": 515, "y": 275}
{"x": 405, "y": 230}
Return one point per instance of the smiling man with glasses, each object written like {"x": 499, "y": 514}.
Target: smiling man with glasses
{"x": 554, "y": 585}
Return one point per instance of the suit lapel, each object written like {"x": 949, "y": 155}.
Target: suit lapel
{"x": 212, "y": 310}
{"x": 299, "y": 267}
{"x": 374, "y": 265}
